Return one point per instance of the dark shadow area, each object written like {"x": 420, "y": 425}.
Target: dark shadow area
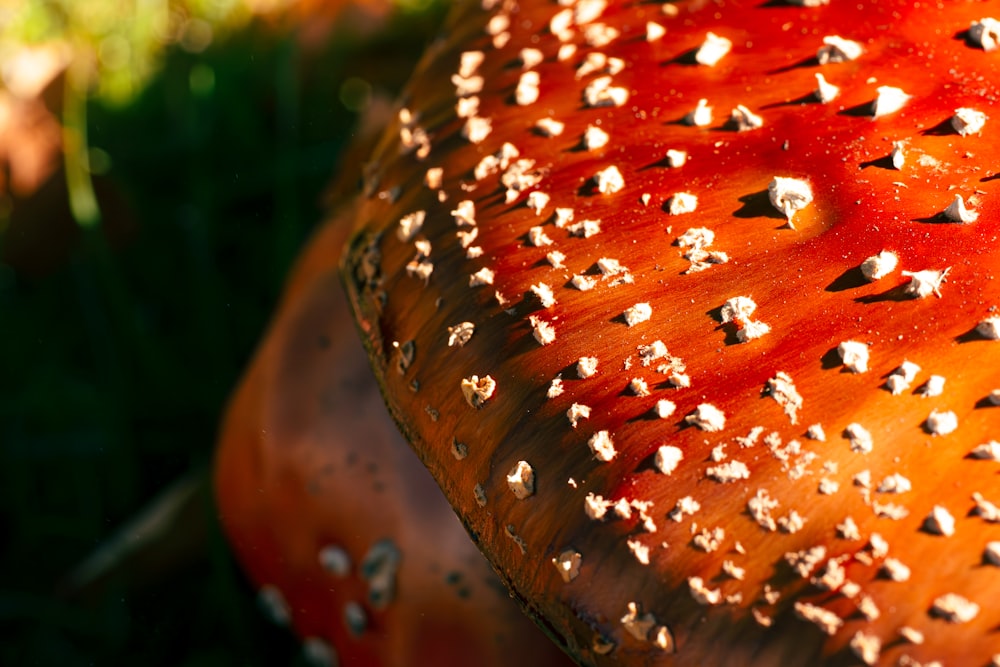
{"x": 811, "y": 61}
{"x": 758, "y": 205}
{"x": 850, "y": 279}
{"x": 897, "y": 293}
{"x": 808, "y": 98}
{"x": 941, "y": 129}
{"x": 863, "y": 110}
{"x": 884, "y": 162}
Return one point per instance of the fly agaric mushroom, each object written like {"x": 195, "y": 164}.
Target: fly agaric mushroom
{"x": 771, "y": 537}
{"x": 334, "y": 518}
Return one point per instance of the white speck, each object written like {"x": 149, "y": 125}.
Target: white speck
{"x": 867, "y": 647}
{"x": 609, "y": 180}
{"x": 565, "y": 52}
{"x": 483, "y": 276}
{"x": 895, "y": 570}
{"x": 318, "y": 652}
{"x": 897, "y": 157}
{"x": 707, "y": 417}
{"x": 901, "y": 378}
{"x": 837, "y": 49}
{"x": 696, "y": 237}
{"x": 549, "y": 127}
{"x": 889, "y": 99}
{"x": 744, "y": 119}
{"x": 683, "y": 202}
{"x": 433, "y": 178}
{"x": 956, "y": 211}
{"x": 602, "y": 446}
{"x": 702, "y": 594}
{"x": 913, "y": 636}
{"x": 537, "y": 236}
{"x": 828, "y": 486}
{"x": 968, "y": 121}
{"x": 469, "y": 62}
{"x": 568, "y": 564}
{"x": 934, "y": 386}
{"x": 465, "y": 213}
{"x": 600, "y": 93}
{"x": 599, "y": 35}
{"x": 816, "y": 432}
{"x": 825, "y": 620}
{"x": 467, "y": 85}
{"x": 527, "y": 88}
{"x": 791, "y": 523}
{"x": 576, "y": 412}
{"x": 861, "y": 439}
{"x": 825, "y": 91}
{"x": 529, "y": 57}
{"x": 895, "y": 483}
{"x": 480, "y": 495}
{"x": 879, "y": 266}
{"x": 989, "y": 328}
{"x": 782, "y": 389}
{"x": 985, "y": 509}
{"x": 636, "y": 625}
{"x": 274, "y": 604}
{"x": 940, "y": 522}
{"x": 664, "y": 408}
{"x": 537, "y": 201}
{"x": 640, "y": 312}
{"x": 543, "y": 331}
{"x": 738, "y": 308}
{"x": 476, "y": 129}
{"x": 654, "y": 31}
{"x": 638, "y": 387}
{"x": 985, "y": 33}
{"x": 730, "y": 471}
{"x": 955, "y": 608}
{"x": 848, "y": 529}
{"x": 410, "y": 225}
{"x": 667, "y": 458}
{"x": 789, "y": 195}
{"x": 497, "y": 24}
{"x": 544, "y": 294}
{"x": 583, "y": 283}
{"x": 639, "y": 550}
{"x": 594, "y": 137}
{"x": 555, "y": 388}
{"x": 863, "y": 479}
{"x": 854, "y": 356}
{"x": 521, "y": 480}
{"x": 467, "y": 107}
{"x": 478, "y": 390}
{"x": 712, "y": 50}
{"x": 584, "y": 228}
{"x": 686, "y": 505}
{"x": 555, "y": 259}
{"x": 760, "y": 507}
{"x": 335, "y": 560}
{"x": 701, "y": 116}
{"x": 586, "y": 367}
{"x": 988, "y": 451}
{"x": 709, "y": 540}
{"x": 992, "y": 553}
{"x": 676, "y": 158}
{"x": 941, "y": 423}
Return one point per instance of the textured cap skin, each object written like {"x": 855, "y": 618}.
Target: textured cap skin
{"x": 805, "y": 520}
{"x": 330, "y": 513}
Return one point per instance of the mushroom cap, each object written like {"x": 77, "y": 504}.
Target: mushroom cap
{"x": 334, "y": 519}
{"x": 764, "y": 544}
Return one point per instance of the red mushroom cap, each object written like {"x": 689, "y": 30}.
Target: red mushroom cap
{"x": 785, "y": 450}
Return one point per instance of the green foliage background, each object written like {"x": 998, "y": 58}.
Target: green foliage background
{"x": 115, "y": 365}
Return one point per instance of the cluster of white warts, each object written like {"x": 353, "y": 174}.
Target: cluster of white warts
{"x": 789, "y": 195}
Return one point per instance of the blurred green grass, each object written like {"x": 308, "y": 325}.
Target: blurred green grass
{"x": 116, "y": 365}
